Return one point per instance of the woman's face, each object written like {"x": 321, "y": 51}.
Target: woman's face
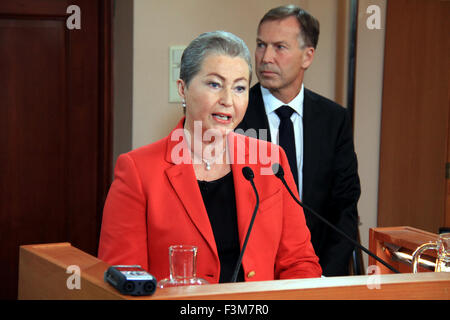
{"x": 217, "y": 95}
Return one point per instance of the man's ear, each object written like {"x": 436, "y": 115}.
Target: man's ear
{"x": 308, "y": 57}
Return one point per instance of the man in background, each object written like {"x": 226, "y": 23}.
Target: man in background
{"x": 315, "y": 132}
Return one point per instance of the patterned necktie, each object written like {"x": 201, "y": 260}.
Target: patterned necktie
{"x": 287, "y": 138}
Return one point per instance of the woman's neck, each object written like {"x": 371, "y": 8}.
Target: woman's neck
{"x": 210, "y": 158}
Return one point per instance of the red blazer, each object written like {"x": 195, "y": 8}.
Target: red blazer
{"x": 154, "y": 203}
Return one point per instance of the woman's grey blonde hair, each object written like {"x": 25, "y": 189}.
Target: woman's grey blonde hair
{"x": 216, "y": 42}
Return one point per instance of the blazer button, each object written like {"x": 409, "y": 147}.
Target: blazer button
{"x": 251, "y": 274}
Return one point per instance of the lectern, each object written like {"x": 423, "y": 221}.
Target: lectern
{"x": 395, "y": 245}
{"x": 50, "y": 271}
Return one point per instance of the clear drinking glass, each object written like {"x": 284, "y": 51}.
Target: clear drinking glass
{"x": 182, "y": 261}
{"x": 442, "y": 246}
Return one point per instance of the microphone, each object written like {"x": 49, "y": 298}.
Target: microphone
{"x": 249, "y": 175}
{"x": 279, "y": 173}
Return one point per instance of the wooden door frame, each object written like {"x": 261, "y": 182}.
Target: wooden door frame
{"x": 106, "y": 102}
{"x": 447, "y": 200}
{"x": 404, "y": 191}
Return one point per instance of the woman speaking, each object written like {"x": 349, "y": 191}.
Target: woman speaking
{"x": 188, "y": 188}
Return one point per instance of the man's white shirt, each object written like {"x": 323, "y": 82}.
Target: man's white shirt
{"x": 271, "y": 104}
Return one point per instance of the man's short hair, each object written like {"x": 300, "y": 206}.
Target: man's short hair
{"x": 309, "y": 26}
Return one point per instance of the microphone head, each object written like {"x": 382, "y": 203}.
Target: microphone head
{"x": 248, "y": 173}
{"x": 278, "y": 170}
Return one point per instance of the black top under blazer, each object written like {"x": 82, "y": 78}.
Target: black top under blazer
{"x": 331, "y": 183}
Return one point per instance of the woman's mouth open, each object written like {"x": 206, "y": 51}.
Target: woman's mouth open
{"x": 222, "y": 118}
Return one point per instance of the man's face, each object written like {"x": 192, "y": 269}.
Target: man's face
{"x": 280, "y": 59}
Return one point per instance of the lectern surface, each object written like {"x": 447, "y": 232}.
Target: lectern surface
{"x": 49, "y": 271}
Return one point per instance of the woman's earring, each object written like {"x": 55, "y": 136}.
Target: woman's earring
{"x": 184, "y": 104}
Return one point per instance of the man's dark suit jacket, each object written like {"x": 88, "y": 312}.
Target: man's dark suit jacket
{"x": 331, "y": 184}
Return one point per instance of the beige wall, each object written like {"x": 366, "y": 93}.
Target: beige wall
{"x": 368, "y": 100}
{"x": 123, "y": 77}
{"x": 144, "y": 115}
{"x": 161, "y": 24}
